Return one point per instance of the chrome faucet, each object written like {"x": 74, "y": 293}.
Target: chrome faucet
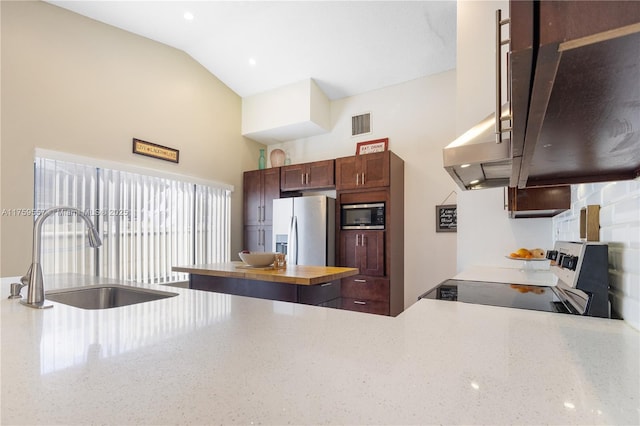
{"x": 35, "y": 296}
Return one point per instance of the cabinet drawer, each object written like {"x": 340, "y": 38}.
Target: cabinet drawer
{"x": 367, "y": 306}
{"x": 366, "y": 287}
{"x": 318, "y": 294}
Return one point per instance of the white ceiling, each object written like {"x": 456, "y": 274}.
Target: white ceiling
{"x": 347, "y": 47}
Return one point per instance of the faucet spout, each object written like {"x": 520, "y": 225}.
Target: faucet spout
{"x": 35, "y": 295}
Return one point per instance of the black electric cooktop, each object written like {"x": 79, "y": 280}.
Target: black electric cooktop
{"x": 499, "y": 294}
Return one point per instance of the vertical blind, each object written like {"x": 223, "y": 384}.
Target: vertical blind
{"x": 147, "y": 223}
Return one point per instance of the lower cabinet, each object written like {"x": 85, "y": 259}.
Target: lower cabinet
{"x": 318, "y": 294}
{"x": 258, "y": 238}
{"x": 364, "y": 293}
{"x": 306, "y": 294}
{"x": 368, "y": 306}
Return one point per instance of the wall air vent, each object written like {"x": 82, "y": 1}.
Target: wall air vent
{"x": 361, "y": 124}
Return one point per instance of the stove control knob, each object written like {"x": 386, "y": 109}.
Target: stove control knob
{"x": 569, "y": 262}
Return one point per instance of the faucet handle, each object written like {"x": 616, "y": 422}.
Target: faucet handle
{"x": 15, "y": 290}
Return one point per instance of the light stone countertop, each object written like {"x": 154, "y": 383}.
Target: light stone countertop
{"x": 207, "y": 358}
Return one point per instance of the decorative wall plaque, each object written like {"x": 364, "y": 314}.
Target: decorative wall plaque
{"x": 156, "y": 151}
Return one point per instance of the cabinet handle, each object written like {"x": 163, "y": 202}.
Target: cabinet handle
{"x": 302, "y": 179}
{"x": 307, "y": 175}
{"x": 363, "y": 178}
{"x": 363, "y": 241}
{"x": 359, "y": 302}
{"x": 326, "y": 284}
{"x": 357, "y": 179}
{"x": 357, "y": 239}
{"x": 360, "y": 281}
{"x": 499, "y": 43}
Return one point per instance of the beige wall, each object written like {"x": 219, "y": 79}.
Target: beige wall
{"x": 74, "y": 85}
{"x": 418, "y": 117}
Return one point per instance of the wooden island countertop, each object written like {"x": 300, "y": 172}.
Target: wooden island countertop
{"x": 292, "y": 274}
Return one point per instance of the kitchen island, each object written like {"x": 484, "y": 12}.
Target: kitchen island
{"x": 210, "y": 358}
{"x": 313, "y": 285}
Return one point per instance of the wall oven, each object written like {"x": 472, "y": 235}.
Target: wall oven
{"x": 362, "y": 216}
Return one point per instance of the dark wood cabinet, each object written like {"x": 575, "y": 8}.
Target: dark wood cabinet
{"x": 538, "y": 202}
{"x": 365, "y": 305}
{"x": 363, "y": 171}
{"x": 321, "y": 294}
{"x": 261, "y": 187}
{"x": 363, "y": 250}
{"x": 379, "y": 254}
{"x": 575, "y": 68}
{"x": 315, "y": 175}
{"x": 364, "y": 287}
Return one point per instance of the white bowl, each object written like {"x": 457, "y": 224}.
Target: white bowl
{"x": 257, "y": 258}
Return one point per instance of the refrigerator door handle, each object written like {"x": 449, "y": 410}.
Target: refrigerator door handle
{"x": 293, "y": 241}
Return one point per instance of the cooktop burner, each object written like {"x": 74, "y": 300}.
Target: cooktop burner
{"x": 499, "y": 294}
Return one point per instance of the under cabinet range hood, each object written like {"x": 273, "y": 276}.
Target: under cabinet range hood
{"x": 478, "y": 159}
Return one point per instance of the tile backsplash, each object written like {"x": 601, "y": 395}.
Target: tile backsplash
{"x": 620, "y": 229}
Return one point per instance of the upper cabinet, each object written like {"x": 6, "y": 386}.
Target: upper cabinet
{"x": 363, "y": 171}
{"x": 315, "y": 175}
{"x": 538, "y": 202}
{"x": 575, "y": 90}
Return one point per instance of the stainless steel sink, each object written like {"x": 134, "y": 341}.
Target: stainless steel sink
{"x": 106, "y": 296}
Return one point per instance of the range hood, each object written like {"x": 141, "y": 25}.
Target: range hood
{"x": 476, "y": 160}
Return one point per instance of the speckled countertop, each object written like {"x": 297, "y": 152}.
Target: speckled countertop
{"x": 207, "y": 358}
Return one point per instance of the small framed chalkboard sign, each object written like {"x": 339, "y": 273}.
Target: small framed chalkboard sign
{"x": 447, "y": 218}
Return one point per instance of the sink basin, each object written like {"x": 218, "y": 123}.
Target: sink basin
{"x": 106, "y": 296}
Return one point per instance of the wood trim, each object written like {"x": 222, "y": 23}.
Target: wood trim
{"x": 596, "y": 38}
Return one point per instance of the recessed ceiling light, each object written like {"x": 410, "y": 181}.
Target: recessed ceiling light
{"x": 188, "y": 16}
{"x": 473, "y": 182}
{"x": 252, "y": 62}
{"x": 464, "y": 165}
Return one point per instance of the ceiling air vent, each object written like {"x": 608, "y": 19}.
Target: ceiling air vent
{"x": 361, "y": 124}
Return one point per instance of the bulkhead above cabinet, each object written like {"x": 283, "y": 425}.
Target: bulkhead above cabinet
{"x": 286, "y": 113}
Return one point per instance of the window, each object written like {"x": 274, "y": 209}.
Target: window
{"x": 148, "y": 223}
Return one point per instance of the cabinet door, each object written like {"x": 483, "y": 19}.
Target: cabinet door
{"x": 252, "y": 238}
{"x": 292, "y": 178}
{"x": 374, "y": 170}
{"x": 371, "y": 253}
{"x": 363, "y": 250}
{"x": 347, "y": 176}
{"x": 252, "y": 188}
{"x": 320, "y": 174}
{"x": 258, "y": 238}
{"x": 349, "y": 250}
{"x": 538, "y": 202}
{"x": 271, "y": 191}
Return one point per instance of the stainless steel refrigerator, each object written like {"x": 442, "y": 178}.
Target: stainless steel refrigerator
{"x": 304, "y": 229}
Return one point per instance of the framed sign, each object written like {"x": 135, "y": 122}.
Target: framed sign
{"x": 447, "y": 218}
{"x": 156, "y": 151}
{"x": 378, "y": 145}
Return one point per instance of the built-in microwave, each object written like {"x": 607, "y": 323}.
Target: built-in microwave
{"x": 362, "y": 216}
